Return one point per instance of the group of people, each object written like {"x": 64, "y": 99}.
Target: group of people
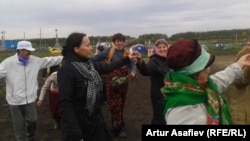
{"x": 182, "y": 92}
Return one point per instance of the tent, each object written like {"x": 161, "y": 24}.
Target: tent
{"x": 140, "y": 48}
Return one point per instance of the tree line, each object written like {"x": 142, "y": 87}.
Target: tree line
{"x": 218, "y": 36}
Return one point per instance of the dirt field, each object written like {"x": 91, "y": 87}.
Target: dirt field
{"x": 137, "y": 110}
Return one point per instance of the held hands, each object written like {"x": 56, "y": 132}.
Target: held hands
{"x": 132, "y": 74}
{"x": 136, "y": 56}
{"x": 139, "y": 57}
{"x": 132, "y": 55}
{"x": 244, "y": 61}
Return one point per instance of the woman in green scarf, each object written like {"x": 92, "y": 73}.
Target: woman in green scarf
{"x": 191, "y": 95}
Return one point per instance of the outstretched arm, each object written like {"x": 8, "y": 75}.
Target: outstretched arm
{"x": 225, "y": 77}
{"x": 102, "y": 68}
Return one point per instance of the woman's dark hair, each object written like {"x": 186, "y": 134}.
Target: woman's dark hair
{"x": 118, "y": 36}
{"x": 196, "y": 51}
{"x": 73, "y": 40}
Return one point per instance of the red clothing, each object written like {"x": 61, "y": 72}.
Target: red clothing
{"x": 54, "y": 105}
{"x": 116, "y": 97}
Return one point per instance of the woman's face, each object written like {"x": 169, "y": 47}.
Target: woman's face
{"x": 203, "y": 75}
{"x": 150, "y": 52}
{"x": 85, "y": 49}
{"x": 119, "y": 44}
{"x": 162, "y": 49}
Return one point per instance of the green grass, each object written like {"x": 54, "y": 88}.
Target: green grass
{"x": 4, "y": 120}
{"x": 2, "y": 92}
{"x": 5, "y": 54}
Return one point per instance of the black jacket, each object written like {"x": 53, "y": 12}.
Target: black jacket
{"x": 76, "y": 122}
{"x": 156, "y": 68}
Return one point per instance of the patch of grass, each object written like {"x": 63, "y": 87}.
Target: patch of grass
{"x": 5, "y": 54}
{"x": 4, "y": 120}
{"x": 2, "y": 92}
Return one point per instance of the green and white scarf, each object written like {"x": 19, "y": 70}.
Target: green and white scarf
{"x": 181, "y": 90}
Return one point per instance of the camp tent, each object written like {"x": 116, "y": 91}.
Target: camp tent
{"x": 140, "y": 48}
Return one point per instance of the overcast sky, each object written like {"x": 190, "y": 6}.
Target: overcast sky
{"x": 24, "y": 18}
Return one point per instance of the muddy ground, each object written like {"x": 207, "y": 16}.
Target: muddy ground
{"x": 138, "y": 110}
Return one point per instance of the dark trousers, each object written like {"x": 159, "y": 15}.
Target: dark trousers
{"x": 24, "y": 121}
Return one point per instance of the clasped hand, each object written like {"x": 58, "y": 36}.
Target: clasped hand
{"x": 135, "y": 55}
{"x": 244, "y": 61}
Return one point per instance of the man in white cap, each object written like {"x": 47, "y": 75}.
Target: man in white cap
{"x": 20, "y": 72}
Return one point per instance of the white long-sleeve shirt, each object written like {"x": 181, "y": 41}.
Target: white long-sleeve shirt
{"x": 197, "y": 114}
{"x": 21, "y": 81}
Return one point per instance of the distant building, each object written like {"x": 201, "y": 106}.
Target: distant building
{"x": 8, "y": 45}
